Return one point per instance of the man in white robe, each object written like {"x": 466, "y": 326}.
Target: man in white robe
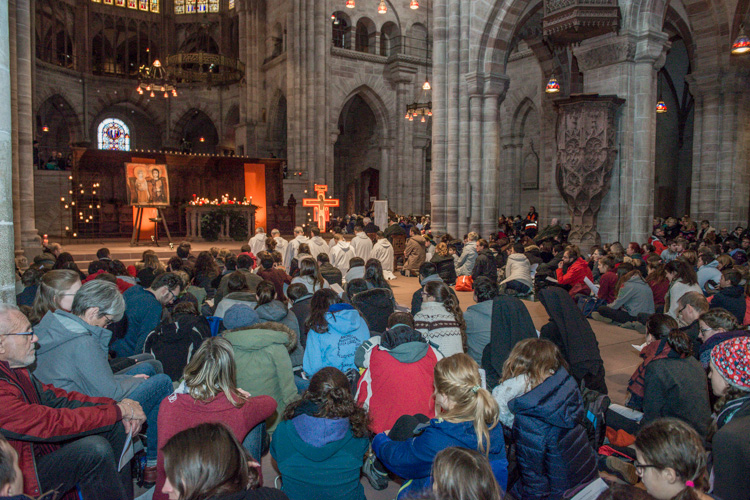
{"x": 291, "y": 251}
{"x": 341, "y": 253}
{"x": 317, "y": 244}
{"x": 258, "y": 242}
{"x": 281, "y": 244}
{"x": 382, "y": 250}
{"x": 361, "y": 243}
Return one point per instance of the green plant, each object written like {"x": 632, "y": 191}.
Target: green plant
{"x": 211, "y": 223}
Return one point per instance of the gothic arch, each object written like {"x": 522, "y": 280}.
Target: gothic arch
{"x": 57, "y": 98}
{"x": 130, "y": 100}
{"x": 277, "y": 125}
{"x": 194, "y": 125}
{"x": 502, "y": 22}
{"x": 378, "y": 106}
{"x": 183, "y": 108}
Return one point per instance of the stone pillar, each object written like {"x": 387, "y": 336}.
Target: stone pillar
{"x": 495, "y": 88}
{"x": 585, "y": 158}
{"x": 438, "y": 181}
{"x": 7, "y": 275}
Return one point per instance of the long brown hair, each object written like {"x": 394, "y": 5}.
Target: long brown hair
{"x": 658, "y": 274}
{"x": 265, "y": 292}
{"x": 319, "y": 304}
{"x": 309, "y": 267}
{"x": 441, "y": 293}
{"x": 331, "y": 391}
{"x": 457, "y": 378}
{"x": 54, "y": 284}
{"x": 464, "y": 474}
{"x": 535, "y": 358}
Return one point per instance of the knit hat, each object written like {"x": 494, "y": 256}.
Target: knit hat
{"x": 731, "y": 359}
{"x": 240, "y": 316}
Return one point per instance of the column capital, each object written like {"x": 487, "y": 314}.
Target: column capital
{"x": 475, "y": 82}
{"x": 652, "y": 47}
{"x": 496, "y": 85}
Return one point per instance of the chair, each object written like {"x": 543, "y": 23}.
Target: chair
{"x": 399, "y": 245}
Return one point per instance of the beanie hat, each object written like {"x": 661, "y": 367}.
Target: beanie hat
{"x": 731, "y": 359}
{"x": 240, "y": 316}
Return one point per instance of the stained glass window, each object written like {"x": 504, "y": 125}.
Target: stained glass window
{"x": 120, "y": 3}
{"x": 154, "y": 5}
{"x": 133, "y": 4}
{"x": 114, "y": 135}
{"x": 143, "y": 5}
{"x": 213, "y": 6}
{"x": 202, "y": 5}
{"x": 179, "y": 6}
{"x": 190, "y": 6}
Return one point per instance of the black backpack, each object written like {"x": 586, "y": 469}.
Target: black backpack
{"x": 595, "y": 405}
{"x": 174, "y": 344}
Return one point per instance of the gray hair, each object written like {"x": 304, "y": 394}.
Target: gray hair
{"x": 101, "y": 294}
{"x": 276, "y": 231}
{"x": 5, "y": 310}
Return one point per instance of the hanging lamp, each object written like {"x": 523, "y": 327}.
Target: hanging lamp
{"x": 350, "y": 4}
{"x": 382, "y": 8}
{"x": 426, "y": 85}
{"x": 414, "y": 4}
{"x": 741, "y": 44}
{"x": 552, "y": 85}
{"x": 661, "y": 106}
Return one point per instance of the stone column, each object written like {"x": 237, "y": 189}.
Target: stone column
{"x": 16, "y": 186}
{"x": 495, "y": 88}
{"x": 475, "y": 84}
{"x": 585, "y": 158}
{"x": 7, "y": 276}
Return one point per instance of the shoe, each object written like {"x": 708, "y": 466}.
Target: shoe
{"x": 621, "y": 469}
{"x": 598, "y": 317}
{"x": 378, "y": 480}
{"x": 640, "y": 327}
{"x": 630, "y": 325}
{"x": 149, "y": 475}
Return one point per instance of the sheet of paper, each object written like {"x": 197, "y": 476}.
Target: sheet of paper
{"x": 127, "y": 452}
{"x": 551, "y": 279}
{"x": 592, "y": 491}
{"x": 639, "y": 348}
{"x": 337, "y": 288}
{"x": 594, "y": 288}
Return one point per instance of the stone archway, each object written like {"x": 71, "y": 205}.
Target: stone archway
{"x": 197, "y": 129}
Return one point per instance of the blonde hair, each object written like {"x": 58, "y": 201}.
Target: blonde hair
{"x": 212, "y": 371}
{"x": 441, "y": 249}
{"x": 457, "y": 378}
{"x": 535, "y": 358}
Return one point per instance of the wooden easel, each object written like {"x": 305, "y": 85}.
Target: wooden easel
{"x": 135, "y": 240}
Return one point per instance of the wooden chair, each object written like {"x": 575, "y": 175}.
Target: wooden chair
{"x": 399, "y": 245}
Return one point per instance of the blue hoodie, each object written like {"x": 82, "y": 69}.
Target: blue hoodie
{"x": 336, "y": 347}
{"x": 709, "y": 272}
{"x": 413, "y": 459}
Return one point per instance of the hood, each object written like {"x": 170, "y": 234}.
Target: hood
{"x": 637, "y": 280}
{"x": 301, "y": 238}
{"x": 362, "y": 236}
{"x": 60, "y": 327}
{"x": 317, "y": 240}
{"x": 465, "y": 433}
{"x": 344, "y": 245}
{"x": 409, "y": 352}
{"x": 517, "y": 257}
{"x": 419, "y": 239}
{"x": 483, "y": 308}
{"x": 344, "y": 322}
{"x": 272, "y": 311}
{"x": 432, "y": 277}
{"x": 383, "y": 243}
{"x": 319, "y": 439}
{"x": 262, "y": 335}
{"x": 556, "y": 401}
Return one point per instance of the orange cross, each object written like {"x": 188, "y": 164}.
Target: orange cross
{"x": 322, "y": 205}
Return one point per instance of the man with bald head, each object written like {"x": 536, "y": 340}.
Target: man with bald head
{"x": 291, "y": 251}
{"x": 63, "y": 439}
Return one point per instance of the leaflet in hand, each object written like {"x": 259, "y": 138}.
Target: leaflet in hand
{"x": 594, "y": 288}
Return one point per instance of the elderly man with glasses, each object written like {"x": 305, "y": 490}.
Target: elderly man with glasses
{"x": 73, "y": 351}
{"x": 63, "y": 439}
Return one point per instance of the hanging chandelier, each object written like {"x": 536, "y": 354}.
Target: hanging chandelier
{"x": 741, "y": 44}
{"x": 155, "y": 78}
{"x": 422, "y": 107}
{"x": 414, "y": 4}
{"x": 552, "y": 86}
{"x": 350, "y": 4}
{"x": 661, "y": 107}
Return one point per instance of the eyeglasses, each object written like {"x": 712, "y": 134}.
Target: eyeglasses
{"x": 679, "y": 311}
{"x": 639, "y": 467}
{"x": 706, "y": 330}
{"x": 20, "y": 333}
{"x": 109, "y": 320}
{"x": 170, "y": 292}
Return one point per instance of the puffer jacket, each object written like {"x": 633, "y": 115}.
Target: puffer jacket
{"x": 276, "y": 311}
{"x": 486, "y": 265}
{"x": 518, "y": 268}
{"x": 376, "y": 305}
{"x": 554, "y": 453}
{"x": 263, "y": 363}
{"x": 336, "y": 347}
{"x": 574, "y": 276}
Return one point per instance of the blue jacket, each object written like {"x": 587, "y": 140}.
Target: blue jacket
{"x": 336, "y": 347}
{"x": 413, "y": 459}
{"x": 709, "y": 272}
{"x": 143, "y": 311}
{"x": 553, "y": 450}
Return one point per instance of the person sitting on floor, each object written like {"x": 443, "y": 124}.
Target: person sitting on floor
{"x": 690, "y": 307}
{"x": 634, "y": 297}
{"x": 427, "y": 272}
{"x": 485, "y": 265}
{"x": 329, "y": 272}
{"x": 479, "y": 317}
{"x": 716, "y": 326}
{"x": 731, "y": 294}
{"x": 517, "y": 271}
{"x": 576, "y": 271}
{"x": 441, "y": 320}
{"x": 356, "y": 269}
{"x": 382, "y": 251}
{"x": 374, "y": 304}
{"x": 276, "y": 275}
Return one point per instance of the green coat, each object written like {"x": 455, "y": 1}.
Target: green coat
{"x": 263, "y": 364}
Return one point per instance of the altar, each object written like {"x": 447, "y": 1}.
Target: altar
{"x": 194, "y": 214}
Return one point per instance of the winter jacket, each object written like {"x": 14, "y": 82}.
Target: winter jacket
{"x": 173, "y": 344}
{"x": 414, "y": 253}
{"x": 635, "y": 297}
{"x": 362, "y": 245}
{"x": 607, "y": 283}
{"x": 485, "y": 265}
{"x": 36, "y": 417}
{"x": 382, "y": 250}
{"x": 416, "y": 298}
{"x": 319, "y": 458}
{"x": 704, "y": 350}
{"x": 72, "y": 356}
{"x": 354, "y": 273}
{"x": 143, "y": 312}
{"x": 263, "y": 363}
{"x": 731, "y": 449}
{"x": 553, "y": 450}
{"x": 234, "y": 298}
{"x": 440, "y": 327}
{"x": 445, "y": 268}
{"x": 412, "y": 459}
{"x": 733, "y": 300}
{"x": 465, "y": 263}
{"x": 574, "y": 276}
{"x": 278, "y": 277}
{"x": 341, "y": 253}
{"x": 277, "y": 312}
{"x": 478, "y": 328}
{"x": 336, "y": 347}
{"x": 518, "y": 268}
{"x": 376, "y": 305}
{"x": 180, "y": 411}
{"x": 548, "y": 233}
{"x": 291, "y": 250}
{"x": 301, "y": 310}
{"x": 317, "y": 246}
{"x": 709, "y": 272}
{"x": 393, "y": 230}
{"x": 251, "y": 279}
{"x": 331, "y": 273}
{"x": 381, "y": 389}
{"x": 676, "y": 290}
{"x": 677, "y": 388}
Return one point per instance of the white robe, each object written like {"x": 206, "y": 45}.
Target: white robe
{"x": 291, "y": 251}
{"x": 317, "y": 246}
{"x": 362, "y": 245}
{"x": 257, "y": 243}
{"x": 341, "y": 253}
{"x": 383, "y": 251}
{"x": 281, "y": 246}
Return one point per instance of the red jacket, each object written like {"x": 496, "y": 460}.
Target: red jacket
{"x": 389, "y": 389}
{"x": 574, "y": 277}
{"x": 658, "y": 245}
{"x": 180, "y": 411}
{"x": 607, "y": 283}
{"x": 35, "y": 417}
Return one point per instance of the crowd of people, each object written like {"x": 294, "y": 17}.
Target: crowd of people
{"x": 300, "y": 349}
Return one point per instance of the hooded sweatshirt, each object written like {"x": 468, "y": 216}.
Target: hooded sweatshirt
{"x": 478, "y": 328}
{"x": 732, "y": 299}
{"x": 317, "y": 246}
{"x": 518, "y": 268}
{"x": 709, "y": 272}
{"x": 362, "y": 245}
{"x": 635, "y": 297}
{"x": 382, "y": 250}
{"x": 376, "y": 305}
{"x": 319, "y": 458}
{"x": 72, "y": 355}
{"x": 341, "y": 253}
{"x": 336, "y": 347}
{"x": 401, "y": 353}
{"x": 277, "y": 312}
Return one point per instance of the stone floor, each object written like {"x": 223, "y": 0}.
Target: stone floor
{"x": 615, "y": 344}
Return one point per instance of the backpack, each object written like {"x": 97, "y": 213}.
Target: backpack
{"x": 174, "y": 344}
{"x": 595, "y": 405}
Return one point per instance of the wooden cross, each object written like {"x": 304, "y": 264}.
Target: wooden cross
{"x": 321, "y": 204}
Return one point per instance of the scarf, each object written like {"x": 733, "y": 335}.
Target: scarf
{"x": 637, "y": 383}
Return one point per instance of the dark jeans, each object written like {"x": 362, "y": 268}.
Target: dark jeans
{"x": 91, "y": 464}
{"x": 256, "y": 442}
{"x": 149, "y": 394}
{"x": 617, "y": 422}
{"x": 518, "y": 286}
{"x": 616, "y": 315}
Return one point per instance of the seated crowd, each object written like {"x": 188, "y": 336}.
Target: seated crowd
{"x": 299, "y": 349}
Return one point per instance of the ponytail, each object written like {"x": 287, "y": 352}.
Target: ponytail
{"x": 680, "y": 343}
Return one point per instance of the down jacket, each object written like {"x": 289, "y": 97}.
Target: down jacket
{"x": 553, "y": 450}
